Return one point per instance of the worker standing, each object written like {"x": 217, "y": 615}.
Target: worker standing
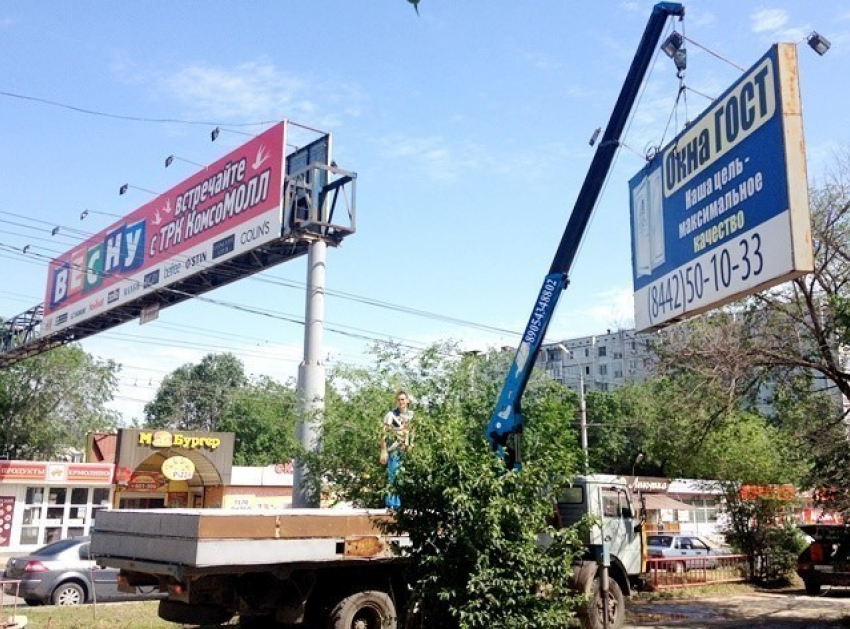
{"x": 397, "y": 438}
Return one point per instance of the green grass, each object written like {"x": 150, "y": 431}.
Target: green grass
{"x": 141, "y": 615}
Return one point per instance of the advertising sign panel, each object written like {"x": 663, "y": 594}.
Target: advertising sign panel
{"x": 722, "y": 211}
{"x": 7, "y": 510}
{"x": 230, "y": 207}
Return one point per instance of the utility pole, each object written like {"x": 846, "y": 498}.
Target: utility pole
{"x": 311, "y": 372}
{"x": 582, "y": 409}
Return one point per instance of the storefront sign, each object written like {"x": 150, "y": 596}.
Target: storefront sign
{"x": 21, "y": 470}
{"x": 178, "y": 468}
{"x": 165, "y": 439}
{"x": 648, "y": 484}
{"x": 148, "y": 481}
{"x": 91, "y": 473}
{"x": 56, "y": 473}
{"x": 135, "y": 448}
{"x": 7, "y": 508}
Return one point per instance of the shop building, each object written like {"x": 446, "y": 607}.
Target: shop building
{"x": 162, "y": 468}
{"x": 41, "y": 502}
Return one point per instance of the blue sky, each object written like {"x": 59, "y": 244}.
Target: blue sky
{"x": 468, "y": 127}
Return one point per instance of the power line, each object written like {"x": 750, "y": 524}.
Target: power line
{"x": 104, "y": 114}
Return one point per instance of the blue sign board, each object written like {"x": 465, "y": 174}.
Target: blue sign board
{"x": 722, "y": 211}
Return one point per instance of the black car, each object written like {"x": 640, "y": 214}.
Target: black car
{"x": 64, "y": 573}
{"x": 827, "y": 559}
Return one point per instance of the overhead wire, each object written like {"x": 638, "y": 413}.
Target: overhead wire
{"x": 329, "y": 292}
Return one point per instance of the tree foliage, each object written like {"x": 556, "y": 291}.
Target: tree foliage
{"x": 54, "y": 400}
{"x": 216, "y": 395}
{"x": 473, "y": 525}
{"x": 197, "y": 397}
{"x": 262, "y": 416}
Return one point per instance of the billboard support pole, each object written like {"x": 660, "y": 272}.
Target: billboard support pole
{"x": 311, "y": 372}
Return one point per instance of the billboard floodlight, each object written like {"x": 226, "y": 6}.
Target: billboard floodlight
{"x": 123, "y": 189}
{"x": 672, "y": 44}
{"x": 818, "y": 43}
{"x": 170, "y": 160}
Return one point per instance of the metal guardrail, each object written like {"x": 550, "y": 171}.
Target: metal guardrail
{"x": 682, "y": 572}
{"x": 10, "y": 588}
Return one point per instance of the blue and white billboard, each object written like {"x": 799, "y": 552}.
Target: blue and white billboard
{"x": 722, "y": 211}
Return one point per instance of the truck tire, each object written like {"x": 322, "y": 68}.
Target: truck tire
{"x": 370, "y": 609}
{"x": 591, "y": 613}
{"x": 68, "y": 593}
{"x": 175, "y": 611}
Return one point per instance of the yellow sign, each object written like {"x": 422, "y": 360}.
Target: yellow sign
{"x": 178, "y": 468}
{"x": 165, "y": 439}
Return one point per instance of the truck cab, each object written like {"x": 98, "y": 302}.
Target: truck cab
{"x": 611, "y": 522}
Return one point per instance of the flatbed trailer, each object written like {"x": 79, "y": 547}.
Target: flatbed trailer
{"x": 321, "y": 567}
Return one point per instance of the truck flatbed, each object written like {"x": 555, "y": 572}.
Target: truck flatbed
{"x": 200, "y": 540}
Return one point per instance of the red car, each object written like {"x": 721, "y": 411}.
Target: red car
{"x": 827, "y": 559}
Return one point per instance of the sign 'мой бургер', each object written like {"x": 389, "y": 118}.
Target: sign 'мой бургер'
{"x": 722, "y": 211}
{"x": 229, "y": 208}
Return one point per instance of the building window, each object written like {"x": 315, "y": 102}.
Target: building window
{"x": 603, "y": 370}
{"x": 602, "y": 350}
{"x": 587, "y": 370}
{"x": 54, "y": 513}
{"x": 618, "y": 374}
{"x": 705, "y": 509}
{"x": 586, "y": 352}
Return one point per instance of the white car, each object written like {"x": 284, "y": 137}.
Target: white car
{"x": 696, "y": 552}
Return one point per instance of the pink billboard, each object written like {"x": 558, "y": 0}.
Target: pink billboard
{"x": 225, "y": 210}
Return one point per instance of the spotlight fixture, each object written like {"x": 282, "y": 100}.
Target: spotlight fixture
{"x": 123, "y": 190}
{"x": 170, "y": 160}
{"x": 214, "y": 134}
{"x": 672, "y": 44}
{"x": 818, "y": 43}
{"x": 83, "y": 214}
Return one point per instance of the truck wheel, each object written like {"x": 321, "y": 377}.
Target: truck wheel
{"x": 364, "y": 610}
{"x": 175, "y": 611}
{"x": 812, "y": 587}
{"x": 68, "y": 594}
{"x": 591, "y": 614}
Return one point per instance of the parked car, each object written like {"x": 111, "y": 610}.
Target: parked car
{"x": 695, "y": 551}
{"x": 827, "y": 559}
{"x": 64, "y": 573}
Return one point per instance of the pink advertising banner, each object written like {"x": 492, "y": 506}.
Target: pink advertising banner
{"x": 230, "y": 207}
{"x": 7, "y": 510}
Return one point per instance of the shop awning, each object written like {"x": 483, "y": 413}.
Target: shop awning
{"x": 655, "y": 502}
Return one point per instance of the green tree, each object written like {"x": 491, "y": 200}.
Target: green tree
{"x": 262, "y": 417}
{"x": 197, "y": 397}
{"x": 474, "y": 526}
{"x": 54, "y": 400}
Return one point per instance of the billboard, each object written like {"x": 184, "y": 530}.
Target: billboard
{"x": 225, "y": 210}
{"x": 722, "y": 211}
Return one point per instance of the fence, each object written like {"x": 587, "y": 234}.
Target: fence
{"x": 694, "y": 571}
{"x": 9, "y": 589}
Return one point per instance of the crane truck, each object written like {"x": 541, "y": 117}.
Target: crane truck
{"x": 333, "y": 568}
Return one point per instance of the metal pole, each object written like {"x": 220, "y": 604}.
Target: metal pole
{"x": 582, "y": 406}
{"x": 311, "y": 372}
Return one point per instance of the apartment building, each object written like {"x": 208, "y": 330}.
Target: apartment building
{"x": 604, "y": 362}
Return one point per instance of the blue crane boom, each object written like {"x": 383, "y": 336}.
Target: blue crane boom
{"x": 506, "y": 422}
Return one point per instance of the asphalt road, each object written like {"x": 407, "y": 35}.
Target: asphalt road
{"x": 785, "y": 609}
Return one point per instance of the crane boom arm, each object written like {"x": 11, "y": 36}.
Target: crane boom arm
{"x": 506, "y": 421}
